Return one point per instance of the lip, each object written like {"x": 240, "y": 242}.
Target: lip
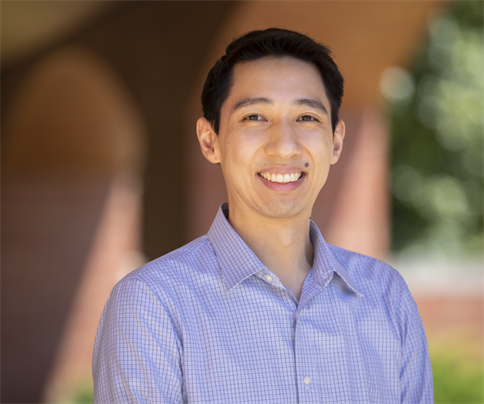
{"x": 284, "y": 187}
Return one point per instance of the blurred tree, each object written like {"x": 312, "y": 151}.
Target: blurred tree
{"x": 436, "y": 114}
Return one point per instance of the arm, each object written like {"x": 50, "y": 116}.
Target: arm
{"x": 137, "y": 353}
{"x": 416, "y": 371}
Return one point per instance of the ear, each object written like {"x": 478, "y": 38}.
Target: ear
{"x": 338, "y": 137}
{"x": 208, "y": 140}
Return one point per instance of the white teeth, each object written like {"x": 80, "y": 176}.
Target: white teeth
{"x": 281, "y": 178}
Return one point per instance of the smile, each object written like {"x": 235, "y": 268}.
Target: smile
{"x": 281, "y": 178}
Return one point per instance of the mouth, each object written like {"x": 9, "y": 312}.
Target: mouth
{"x": 281, "y": 178}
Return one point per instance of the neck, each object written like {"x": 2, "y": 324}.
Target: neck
{"x": 282, "y": 245}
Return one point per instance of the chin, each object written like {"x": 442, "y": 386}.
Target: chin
{"x": 281, "y": 209}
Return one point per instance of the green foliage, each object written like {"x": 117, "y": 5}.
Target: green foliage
{"x": 457, "y": 380}
{"x": 437, "y": 137}
{"x": 84, "y": 395}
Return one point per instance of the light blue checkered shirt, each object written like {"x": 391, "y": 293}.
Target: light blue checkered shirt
{"x": 208, "y": 323}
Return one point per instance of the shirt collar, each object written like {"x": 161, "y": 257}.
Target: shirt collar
{"x": 236, "y": 259}
{"x": 325, "y": 263}
{"x": 238, "y": 262}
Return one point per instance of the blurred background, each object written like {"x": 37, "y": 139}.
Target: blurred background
{"x": 101, "y": 169}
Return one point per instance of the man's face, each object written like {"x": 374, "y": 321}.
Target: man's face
{"x": 275, "y": 142}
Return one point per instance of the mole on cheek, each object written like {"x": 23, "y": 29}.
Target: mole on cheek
{"x": 306, "y": 165}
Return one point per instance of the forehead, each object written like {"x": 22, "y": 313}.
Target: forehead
{"x": 279, "y": 75}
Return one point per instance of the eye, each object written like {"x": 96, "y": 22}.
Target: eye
{"x": 253, "y": 118}
{"x": 307, "y": 118}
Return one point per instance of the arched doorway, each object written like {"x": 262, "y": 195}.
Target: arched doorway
{"x": 74, "y": 149}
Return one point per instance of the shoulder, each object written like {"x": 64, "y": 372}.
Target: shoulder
{"x": 368, "y": 273}
{"x": 163, "y": 285}
{"x": 172, "y": 274}
{"x": 381, "y": 285}
{"x": 196, "y": 256}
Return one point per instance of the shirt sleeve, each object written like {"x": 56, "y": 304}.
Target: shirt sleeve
{"x": 137, "y": 352}
{"x": 416, "y": 371}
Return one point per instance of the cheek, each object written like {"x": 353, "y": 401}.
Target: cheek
{"x": 321, "y": 153}
{"x": 320, "y": 150}
{"x": 237, "y": 156}
{"x": 317, "y": 139}
{"x": 244, "y": 146}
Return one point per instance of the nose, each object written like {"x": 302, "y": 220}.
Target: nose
{"x": 283, "y": 141}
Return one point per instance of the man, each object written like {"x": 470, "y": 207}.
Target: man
{"x": 261, "y": 309}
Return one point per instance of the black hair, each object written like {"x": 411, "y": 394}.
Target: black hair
{"x": 270, "y": 42}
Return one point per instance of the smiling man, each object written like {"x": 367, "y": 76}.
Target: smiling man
{"x": 262, "y": 309}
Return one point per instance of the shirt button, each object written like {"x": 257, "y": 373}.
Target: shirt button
{"x": 307, "y": 380}
{"x": 269, "y": 278}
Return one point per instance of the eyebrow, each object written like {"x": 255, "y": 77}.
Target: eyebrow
{"x": 299, "y": 102}
{"x": 311, "y": 103}
{"x": 251, "y": 101}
